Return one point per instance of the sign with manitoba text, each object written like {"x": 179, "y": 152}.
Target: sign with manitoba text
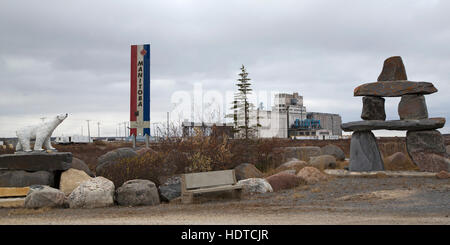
{"x": 140, "y": 90}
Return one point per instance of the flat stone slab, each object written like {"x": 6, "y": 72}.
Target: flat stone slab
{"x": 420, "y": 124}
{"x": 394, "y": 88}
{"x": 36, "y": 161}
{"x": 346, "y": 173}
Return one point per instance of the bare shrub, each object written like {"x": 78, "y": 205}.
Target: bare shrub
{"x": 147, "y": 166}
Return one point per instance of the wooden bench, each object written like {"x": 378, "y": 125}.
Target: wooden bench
{"x": 218, "y": 182}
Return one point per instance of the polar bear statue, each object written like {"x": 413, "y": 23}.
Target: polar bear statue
{"x": 41, "y": 133}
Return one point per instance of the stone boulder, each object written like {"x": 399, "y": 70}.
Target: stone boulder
{"x": 302, "y": 153}
{"x": 447, "y": 149}
{"x": 373, "y": 108}
{"x": 71, "y": 179}
{"x": 255, "y": 186}
{"x": 282, "y": 181}
{"x": 364, "y": 152}
{"x": 333, "y": 150}
{"x": 427, "y": 150}
{"x": 41, "y": 196}
{"x": 171, "y": 189}
{"x": 246, "y": 171}
{"x": 323, "y": 162}
{"x": 393, "y": 70}
{"x": 94, "y": 193}
{"x": 137, "y": 192}
{"x": 293, "y": 164}
{"x": 311, "y": 175}
{"x": 399, "y": 162}
{"x": 20, "y": 178}
{"x": 412, "y": 106}
{"x": 81, "y": 165}
{"x": 113, "y": 157}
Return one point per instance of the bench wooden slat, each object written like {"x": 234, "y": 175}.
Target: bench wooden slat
{"x": 214, "y": 189}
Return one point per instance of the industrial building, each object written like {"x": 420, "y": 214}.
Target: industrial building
{"x": 290, "y": 119}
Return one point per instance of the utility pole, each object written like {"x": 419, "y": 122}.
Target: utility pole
{"x": 98, "y": 129}
{"x": 125, "y": 128}
{"x": 89, "y": 132}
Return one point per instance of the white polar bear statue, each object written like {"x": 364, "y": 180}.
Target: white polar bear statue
{"x": 41, "y": 133}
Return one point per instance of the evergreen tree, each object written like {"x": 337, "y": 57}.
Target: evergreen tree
{"x": 241, "y": 103}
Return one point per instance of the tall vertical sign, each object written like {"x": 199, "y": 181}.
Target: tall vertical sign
{"x": 140, "y": 90}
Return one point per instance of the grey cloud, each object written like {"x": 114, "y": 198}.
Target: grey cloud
{"x": 77, "y": 52}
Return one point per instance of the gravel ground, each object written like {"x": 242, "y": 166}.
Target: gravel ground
{"x": 402, "y": 200}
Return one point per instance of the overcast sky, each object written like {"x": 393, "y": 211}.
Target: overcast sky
{"x": 74, "y": 56}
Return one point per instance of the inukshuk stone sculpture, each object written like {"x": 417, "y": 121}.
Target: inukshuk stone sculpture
{"x": 425, "y": 145}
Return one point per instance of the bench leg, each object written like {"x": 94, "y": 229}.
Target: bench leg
{"x": 187, "y": 198}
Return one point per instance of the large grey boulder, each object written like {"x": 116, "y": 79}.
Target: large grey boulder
{"x": 113, "y": 157}
{"x": 94, "y": 193}
{"x": 41, "y": 196}
{"x": 333, "y": 150}
{"x": 427, "y": 150}
{"x": 246, "y": 171}
{"x": 20, "y": 178}
{"x": 255, "y": 186}
{"x": 171, "y": 189}
{"x": 81, "y": 165}
{"x": 364, "y": 152}
{"x": 137, "y": 192}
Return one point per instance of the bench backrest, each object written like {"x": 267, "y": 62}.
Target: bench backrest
{"x": 208, "y": 179}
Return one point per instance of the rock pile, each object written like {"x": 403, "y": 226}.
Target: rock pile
{"x": 424, "y": 143}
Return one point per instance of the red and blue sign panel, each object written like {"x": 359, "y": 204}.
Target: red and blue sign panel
{"x": 140, "y": 90}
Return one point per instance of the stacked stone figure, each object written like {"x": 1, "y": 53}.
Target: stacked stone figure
{"x": 424, "y": 143}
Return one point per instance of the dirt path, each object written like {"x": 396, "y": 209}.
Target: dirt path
{"x": 338, "y": 201}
